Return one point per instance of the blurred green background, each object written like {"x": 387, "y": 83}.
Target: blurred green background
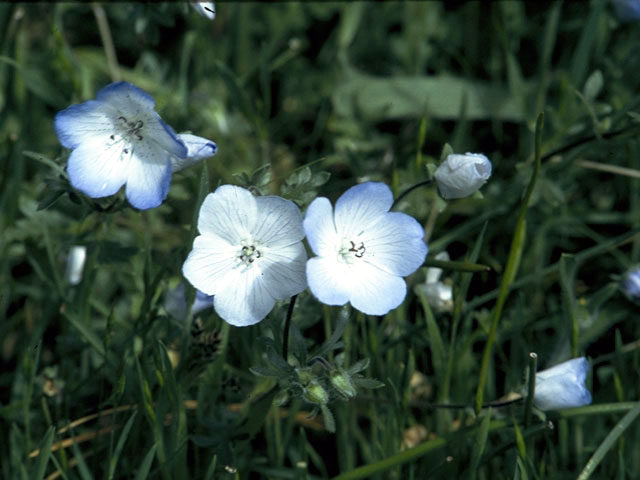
{"x": 361, "y": 91}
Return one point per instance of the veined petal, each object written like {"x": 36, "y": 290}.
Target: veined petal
{"x": 283, "y": 270}
{"x": 278, "y": 222}
{"x": 229, "y": 212}
{"x": 319, "y": 227}
{"x": 361, "y": 206}
{"x": 244, "y": 299}
{"x": 210, "y": 263}
{"x": 374, "y": 291}
{"x": 97, "y": 175}
{"x": 134, "y": 104}
{"x": 149, "y": 176}
{"x": 328, "y": 280}
{"x": 198, "y": 148}
{"x": 85, "y": 122}
{"x": 395, "y": 244}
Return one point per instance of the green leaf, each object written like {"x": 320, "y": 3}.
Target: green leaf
{"x": 45, "y": 452}
{"x": 145, "y": 466}
{"x": 113, "y": 461}
{"x": 480, "y": 440}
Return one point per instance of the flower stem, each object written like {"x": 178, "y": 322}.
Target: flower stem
{"x": 287, "y": 325}
{"x": 107, "y": 41}
{"x": 409, "y": 190}
{"x": 533, "y": 361}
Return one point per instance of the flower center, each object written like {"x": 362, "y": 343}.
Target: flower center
{"x": 249, "y": 254}
{"x": 127, "y": 131}
{"x": 350, "y": 250}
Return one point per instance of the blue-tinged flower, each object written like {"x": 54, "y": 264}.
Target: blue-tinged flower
{"x": 562, "y": 386}
{"x": 206, "y": 9}
{"x": 363, "y": 249}
{"x": 461, "y": 175}
{"x": 198, "y": 148}
{"x": 176, "y": 304}
{"x": 627, "y": 10}
{"x": 119, "y": 139}
{"x": 248, "y": 255}
{"x": 631, "y": 284}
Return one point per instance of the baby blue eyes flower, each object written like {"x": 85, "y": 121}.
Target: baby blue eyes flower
{"x": 363, "y": 249}
{"x": 631, "y": 284}
{"x": 119, "y": 139}
{"x": 461, "y": 175}
{"x": 206, "y": 9}
{"x": 627, "y": 10}
{"x": 248, "y": 255}
{"x": 562, "y": 386}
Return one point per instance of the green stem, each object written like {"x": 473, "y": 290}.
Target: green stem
{"x": 517, "y": 244}
{"x": 528, "y": 406}
{"x": 409, "y": 190}
{"x": 107, "y": 41}
{"x": 287, "y": 325}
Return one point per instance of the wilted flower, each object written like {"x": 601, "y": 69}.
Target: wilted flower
{"x": 438, "y": 294}
{"x": 461, "y": 175}
{"x": 119, "y": 139}
{"x": 631, "y": 284}
{"x": 363, "y": 249}
{"x": 248, "y": 255}
{"x": 75, "y": 264}
{"x": 562, "y": 386}
{"x": 206, "y": 9}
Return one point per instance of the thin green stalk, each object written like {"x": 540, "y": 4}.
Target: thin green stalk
{"x": 409, "y": 190}
{"x": 107, "y": 41}
{"x": 287, "y": 325}
{"x": 515, "y": 253}
{"x": 528, "y": 406}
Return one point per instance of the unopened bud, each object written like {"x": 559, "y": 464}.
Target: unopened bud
{"x": 316, "y": 394}
{"x": 281, "y": 398}
{"x": 342, "y": 383}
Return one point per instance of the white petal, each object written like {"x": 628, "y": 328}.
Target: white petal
{"x": 433, "y": 273}
{"x": 206, "y": 9}
{"x": 319, "y": 227}
{"x": 198, "y": 148}
{"x": 98, "y": 168}
{"x": 328, "y": 280}
{"x": 149, "y": 176}
{"x": 87, "y": 122}
{"x": 134, "y": 104}
{"x": 210, "y": 263}
{"x": 230, "y": 212}
{"x": 394, "y": 243}
{"x": 563, "y": 386}
{"x": 283, "y": 270}
{"x": 361, "y": 206}
{"x": 374, "y": 291}
{"x": 244, "y": 299}
{"x": 278, "y": 222}
{"x": 461, "y": 175}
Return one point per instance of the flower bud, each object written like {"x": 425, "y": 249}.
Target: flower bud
{"x": 75, "y": 264}
{"x": 631, "y": 284}
{"x": 304, "y": 375}
{"x": 316, "y": 394}
{"x": 461, "y": 175}
{"x": 562, "y": 386}
{"x": 341, "y": 381}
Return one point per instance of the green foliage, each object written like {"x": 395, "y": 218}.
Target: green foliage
{"x": 305, "y": 99}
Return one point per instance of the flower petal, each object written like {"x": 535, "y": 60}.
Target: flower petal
{"x": 148, "y": 177}
{"x": 230, "y": 212}
{"x": 374, "y": 291}
{"x": 244, "y": 299}
{"x": 209, "y": 263}
{"x": 361, "y": 206}
{"x": 395, "y": 244}
{"x": 278, "y": 222}
{"x": 461, "y": 175}
{"x": 283, "y": 270}
{"x": 134, "y": 104}
{"x": 97, "y": 168}
{"x": 319, "y": 227}
{"x": 86, "y": 122}
{"x": 562, "y": 386}
{"x": 198, "y": 148}
{"x": 328, "y": 280}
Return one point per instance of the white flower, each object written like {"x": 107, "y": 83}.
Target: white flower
{"x": 562, "y": 386}
{"x": 75, "y": 264}
{"x": 438, "y": 294}
{"x": 631, "y": 284}
{"x": 207, "y": 9}
{"x": 119, "y": 139}
{"x": 248, "y": 255}
{"x": 461, "y": 175}
{"x": 363, "y": 249}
